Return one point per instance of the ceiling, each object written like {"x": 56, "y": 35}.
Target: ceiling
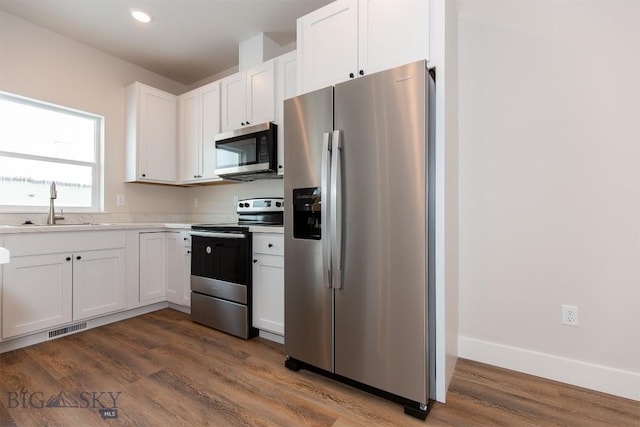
{"x": 187, "y": 41}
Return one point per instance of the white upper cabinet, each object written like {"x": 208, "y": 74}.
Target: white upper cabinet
{"x": 392, "y": 33}
{"x": 248, "y": 97}
{"x": 199, "y": 112}
{"x": 286, "y": 88}
{"x": 151, "y": 135}
{"x": 189, "y": 140}
{"x": 349, "y": 38}
{"x": 234, "y": 102}
{"x": 327, "y": 45}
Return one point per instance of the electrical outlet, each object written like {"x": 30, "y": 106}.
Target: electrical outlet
{"x": 235, "y": 201}
{"x": 120, "y": 200}
{"x": 570, "y": 315}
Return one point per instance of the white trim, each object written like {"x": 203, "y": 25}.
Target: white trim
{"x": 271, "y": 336}
{"x": 576, "y": 372}
{"x": 96, "y": 164}
{"x": 40, "y": 337}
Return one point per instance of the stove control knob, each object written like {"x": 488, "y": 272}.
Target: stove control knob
{"x": 278, "y": 204}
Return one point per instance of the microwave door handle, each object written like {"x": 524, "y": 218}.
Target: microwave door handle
{"x": 336, "y": 209}
{"x": 324, "y": 212}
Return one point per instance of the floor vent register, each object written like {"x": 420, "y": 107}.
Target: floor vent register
{"x": 67, "y": 330}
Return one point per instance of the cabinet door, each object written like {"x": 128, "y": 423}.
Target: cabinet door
{"x": 98, "y": 282}
{"x": 234, "y": 104}
{"x": 210, "y": 128}
{"x": 157, "y": 135}
{"x": 327, "y": 44}
{"x": 153, "y": 272}
{"x": 268, "y": 293}
{"x": 36, "y": 293}
{"x": 286, "y": 88}
{"x": 178, "y": 270}
{"x": 261, "y": 94}
{"x": 392, "y": 33}
{"x": 190, "y": 138}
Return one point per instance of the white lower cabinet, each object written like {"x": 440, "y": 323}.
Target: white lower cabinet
{"x": 165, "y": 267}
{"x": 54, "y": 279}
{"x": 179, "y": 268}
{"x": 98, "y": 282}
{"x": 153, "y": 267}
{"x": 268, "y": 282}
{"x": 36, "y": 293}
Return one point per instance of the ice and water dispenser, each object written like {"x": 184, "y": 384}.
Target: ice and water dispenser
{"x": 307, "y": 209}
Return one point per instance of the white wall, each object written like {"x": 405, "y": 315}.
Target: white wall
{"x": 220, "y": 199}
{"x": 40, "y": 64}
{"x": 549, "y": 102}
{"x": 443, "y": 56}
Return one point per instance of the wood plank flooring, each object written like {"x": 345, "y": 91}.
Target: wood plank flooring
{"x": 161, "y": 369}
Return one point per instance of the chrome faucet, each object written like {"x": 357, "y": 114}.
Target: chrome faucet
{"x": 52, "y": 217}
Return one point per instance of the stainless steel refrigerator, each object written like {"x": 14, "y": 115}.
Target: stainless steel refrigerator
{"x": 357, "y": 210}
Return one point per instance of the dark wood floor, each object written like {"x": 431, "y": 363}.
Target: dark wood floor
{"x": 169, "y": 371}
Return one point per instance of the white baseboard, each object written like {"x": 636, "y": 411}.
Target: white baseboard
{"x": 181, "y": 308}
{"x": 272, "y": 337}
{"x": 582, "y": 374}
{"x": 39, "y": 337}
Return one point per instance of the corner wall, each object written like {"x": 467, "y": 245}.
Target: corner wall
{"x": 550, "y": 188}
{"x": 443, "y": 56}
{"x": 40, "y": 64}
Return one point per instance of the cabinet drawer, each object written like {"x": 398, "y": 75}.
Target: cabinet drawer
{"x": 271, "y": 244}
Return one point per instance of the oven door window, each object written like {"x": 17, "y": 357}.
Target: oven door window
{"x": 222, "y": 259}
{"x": 236, "y": 153}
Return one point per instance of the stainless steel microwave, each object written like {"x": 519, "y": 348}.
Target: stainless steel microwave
{"x": 248, "y": 153}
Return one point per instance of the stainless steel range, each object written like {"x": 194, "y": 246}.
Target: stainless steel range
{"x": 221, "y": 280}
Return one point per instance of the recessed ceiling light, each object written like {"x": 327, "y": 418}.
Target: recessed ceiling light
{"x": 140, "y": 15}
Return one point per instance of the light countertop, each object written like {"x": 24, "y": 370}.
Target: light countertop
{"x": 18, "y": 229}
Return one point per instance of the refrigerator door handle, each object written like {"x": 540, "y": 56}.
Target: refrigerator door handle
{"x": 324, "y": 213}
{"x": 336, "y": 209}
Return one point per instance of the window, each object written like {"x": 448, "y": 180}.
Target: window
{"x": 41, "y": 143}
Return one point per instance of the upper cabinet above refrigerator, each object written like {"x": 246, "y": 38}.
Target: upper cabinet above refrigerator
{"x": 350, "y": 38}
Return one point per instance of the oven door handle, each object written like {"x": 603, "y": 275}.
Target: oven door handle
{"x": 220, "y": 235}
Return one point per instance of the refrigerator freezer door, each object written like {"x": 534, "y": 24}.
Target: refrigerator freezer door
{"x": 308, "y": 299}
{"x": 380, "y": 312}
